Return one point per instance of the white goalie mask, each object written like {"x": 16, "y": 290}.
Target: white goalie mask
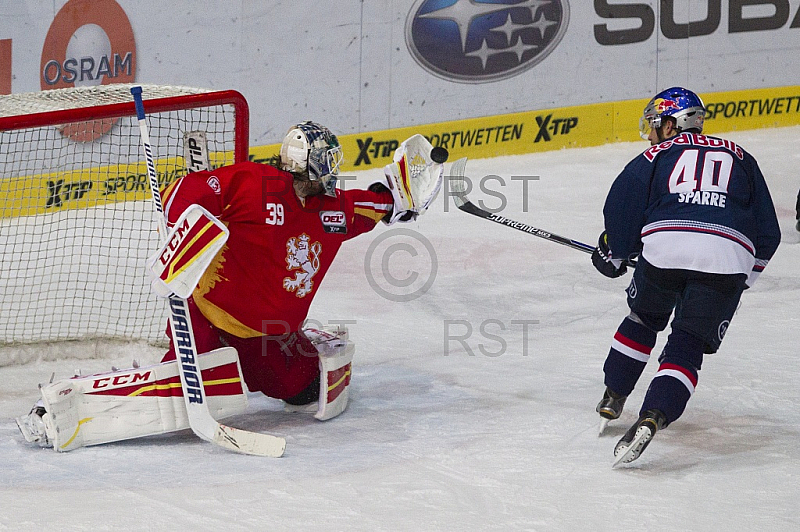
{"x": 311, "y": 149}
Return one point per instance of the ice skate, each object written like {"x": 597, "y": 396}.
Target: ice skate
{"x": 638, "y": 437}
{"x": 609, "y": 407}
{"x": 32, "y": 426}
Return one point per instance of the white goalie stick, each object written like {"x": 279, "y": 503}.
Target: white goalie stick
{"x": 200, "y": 419}
{"x": 458, "y": 186}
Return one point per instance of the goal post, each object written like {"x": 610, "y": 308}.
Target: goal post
{"x": 76, "y": 223}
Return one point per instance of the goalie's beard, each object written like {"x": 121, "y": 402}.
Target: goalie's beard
{"x": 305, "y": 188}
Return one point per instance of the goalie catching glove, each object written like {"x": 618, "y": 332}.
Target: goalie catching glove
{"x": 414, "y": 179}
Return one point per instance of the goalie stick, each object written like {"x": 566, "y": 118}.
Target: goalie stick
{"x": 200, "y": 419}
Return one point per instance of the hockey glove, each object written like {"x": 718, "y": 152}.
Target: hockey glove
{"x": 601, "y": 258}
{"x": 414, "y": 179}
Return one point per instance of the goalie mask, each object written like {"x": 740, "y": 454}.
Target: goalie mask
{"x": 684, "y": 106}
{"x": 311, "y": 149}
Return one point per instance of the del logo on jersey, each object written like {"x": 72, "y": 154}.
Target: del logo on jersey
{"x": 334, "y": 221}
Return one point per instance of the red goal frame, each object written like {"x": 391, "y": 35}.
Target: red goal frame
{"x": 156, "y": 105}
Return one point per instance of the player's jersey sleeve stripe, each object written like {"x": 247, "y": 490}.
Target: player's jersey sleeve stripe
{"x": 369, "y": 213}
{"x": 760, "y": 265}
{"x": 384, "y": 207}
{"x": 373, "y": 211}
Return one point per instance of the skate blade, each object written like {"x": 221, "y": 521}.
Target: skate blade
{"x": 31, "y": 435}
{"x": 603, "y": 424}
{"x": 633, "y": 450}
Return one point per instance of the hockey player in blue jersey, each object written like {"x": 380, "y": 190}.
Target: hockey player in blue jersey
{"x": 697, "y": 212}
{"x": 797, "y": 210}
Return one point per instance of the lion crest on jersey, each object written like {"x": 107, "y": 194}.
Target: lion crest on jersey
{"x": 304, "y": 257}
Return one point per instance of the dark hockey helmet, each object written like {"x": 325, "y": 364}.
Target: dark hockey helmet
{"x": 311, "y": 149}
{"x": 681, "y": 104}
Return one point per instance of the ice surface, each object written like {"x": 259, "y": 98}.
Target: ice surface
{"x": 493, "y": 430}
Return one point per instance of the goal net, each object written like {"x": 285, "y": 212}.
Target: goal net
{"x": 76, "y": 215}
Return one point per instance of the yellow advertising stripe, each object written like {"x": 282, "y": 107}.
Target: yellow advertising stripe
{"x": 562, "y": 127}
{"x": 144, "y": 389}
{"x": 751, "y": 109}
{"x": 510, "y": 134}
{"x": 340, "y": 381}
{"x": 56, "y": 192}
{"x": 31, "y": 193}
{"x": 75, "y": 434}
{"x": 174, "y": 273}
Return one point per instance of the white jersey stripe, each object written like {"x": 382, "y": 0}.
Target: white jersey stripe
{"x": 696, "y": 251}
{"x": 701, "y": 227}
{"x": 373, "y": 205}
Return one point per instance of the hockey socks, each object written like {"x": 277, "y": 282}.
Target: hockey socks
{"x": 628, "y": 356}
{"x": 676, "y": 379}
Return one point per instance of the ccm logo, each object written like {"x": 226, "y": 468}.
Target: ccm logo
{"x": 119, "y": 380}
{"x": 174, "y": 242}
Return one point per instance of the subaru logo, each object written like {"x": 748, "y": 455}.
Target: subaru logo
{"x": 477, "y": 41}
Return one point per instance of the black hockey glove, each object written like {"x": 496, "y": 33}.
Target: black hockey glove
{"x": 601, "y": 258}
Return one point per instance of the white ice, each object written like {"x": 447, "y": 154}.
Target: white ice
{"x": 448, "y": 431}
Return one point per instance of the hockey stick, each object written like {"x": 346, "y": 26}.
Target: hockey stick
{"x": 200, "y": 419}
{"x": 458, "y": 185}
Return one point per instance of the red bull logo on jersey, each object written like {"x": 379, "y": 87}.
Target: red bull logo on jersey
{"x": 695, "y": 140}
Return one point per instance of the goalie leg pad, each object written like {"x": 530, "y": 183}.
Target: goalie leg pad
{"x": 335, "y": 365}
{"x": 138, "y": 402}
{"x": 334, "y": 383}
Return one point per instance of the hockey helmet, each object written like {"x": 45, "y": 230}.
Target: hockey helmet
{"x": 681, "y": 104}
{"x": 311, "y": 149}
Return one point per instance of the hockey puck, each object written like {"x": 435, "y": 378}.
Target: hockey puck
{"x": 439, "y": 155}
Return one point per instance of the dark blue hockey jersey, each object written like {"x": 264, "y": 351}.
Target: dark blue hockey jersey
{"x": 693, "y": 202}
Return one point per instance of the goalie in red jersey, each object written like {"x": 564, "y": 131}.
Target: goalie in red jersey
{"x": 285, "y": 226}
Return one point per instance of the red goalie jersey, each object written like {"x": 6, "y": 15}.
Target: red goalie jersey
{"x": 279, "y": 249}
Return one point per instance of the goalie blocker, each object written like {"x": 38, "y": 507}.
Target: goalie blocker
{"x": 145, "y": 401}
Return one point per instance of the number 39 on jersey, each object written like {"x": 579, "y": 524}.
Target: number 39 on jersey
{"x": 275, "y": 213}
